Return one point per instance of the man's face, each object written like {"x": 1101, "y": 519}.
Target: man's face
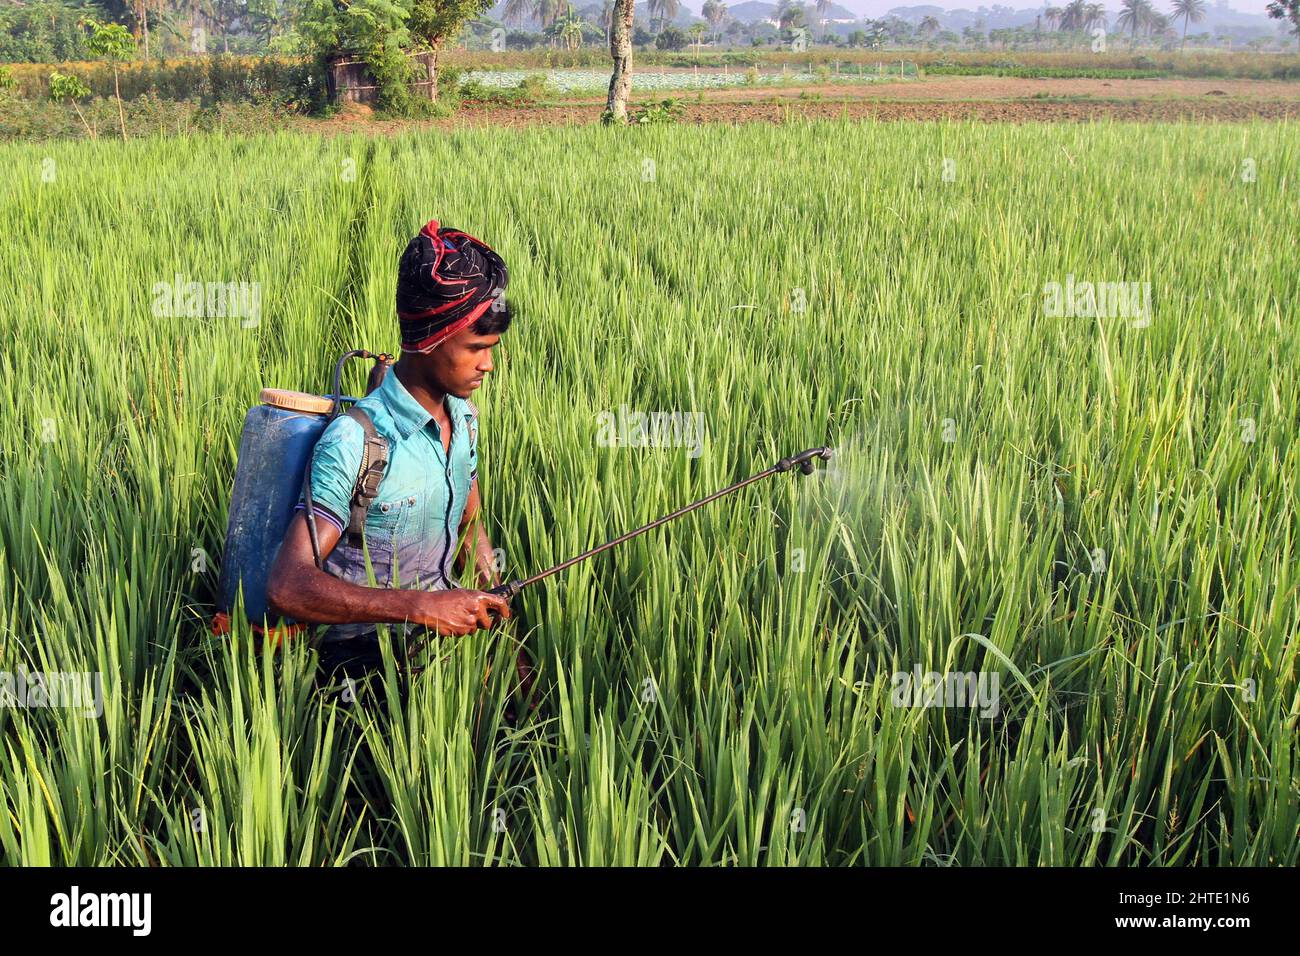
{"x": 459, "y": 365}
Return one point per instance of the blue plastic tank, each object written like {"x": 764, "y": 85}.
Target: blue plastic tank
{"x": 274, "y": 449}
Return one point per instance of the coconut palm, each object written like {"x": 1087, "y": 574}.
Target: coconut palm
{"x": 1094, "y": 16}
{"x": 929, "y": 26}
{"x": 1053, "y": 17}
{"x": 823, "y": 11}
{"x": 1074, "y": 14}
{"x": 545, "y": 12}
{"x": 517, "y": 11}
{"x": 715, "y": 12}
{"x": 1135, "y": 15}
{"x": 664, "y": 10}
{"x": 1192, "y": 11}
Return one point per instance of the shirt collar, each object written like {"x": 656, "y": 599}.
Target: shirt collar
{"x": 408, "y": 415}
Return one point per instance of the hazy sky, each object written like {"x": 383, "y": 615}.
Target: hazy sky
{"x": 876, "y": 8}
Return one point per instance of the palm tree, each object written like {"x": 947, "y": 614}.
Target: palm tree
{"x": 823, "y": 9}
{"x": 792, "y": 14}
{"x": 666, "y": 10}
{"x": 1053, "y": 17}
{"x": 517, "y": 11}
{"x": 545, "y": 12}
{"x": 1073, "y": 15}
{"x": 929, "y": 26}
{"x": 715, "y": 12}
{"x": 1135, "y": 14}
{"x": 1189, "y": 10}
{"x": 1094, "y": 16}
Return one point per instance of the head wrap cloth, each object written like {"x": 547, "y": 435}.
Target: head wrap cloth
{"x": 446, "y": 280}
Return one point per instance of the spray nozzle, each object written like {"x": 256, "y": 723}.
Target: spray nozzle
{"x": 805, "y": 460}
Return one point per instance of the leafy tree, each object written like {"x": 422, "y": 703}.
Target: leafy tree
{"x": 874, "y": 36}
{"x": 671, "y": 38}
{"x": 375, "y": 31}
{"x": 42, "y": 31}
{"x": 433, "y": 22}
{"x": 114, "y": 43}
{"x": 1286, "y": 10}
{"x": 899, "y": 30}
{"x": 70, "y": 88}
{"x": 792, "y": 14}
{"x": 271, "y": 18}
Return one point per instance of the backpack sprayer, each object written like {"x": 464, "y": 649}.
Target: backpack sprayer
{"x": 275, "y": 449}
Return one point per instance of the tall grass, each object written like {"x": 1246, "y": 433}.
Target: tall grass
{"x": 717, "y": 692}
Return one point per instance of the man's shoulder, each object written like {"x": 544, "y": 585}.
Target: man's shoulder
{"x": 344, "y": 438}
{"x": 348, "y": 431}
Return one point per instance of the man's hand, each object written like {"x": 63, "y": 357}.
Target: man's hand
{"x": 297, "y": 588}
{"x": 457, "y": 612}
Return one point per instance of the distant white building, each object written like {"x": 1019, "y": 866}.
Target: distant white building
{"x": 772, "y": 22}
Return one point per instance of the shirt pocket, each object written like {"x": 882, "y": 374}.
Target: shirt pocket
{"x": 398, "y": 517}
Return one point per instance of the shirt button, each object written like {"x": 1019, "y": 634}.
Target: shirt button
{"x": 411, "y": 500}
{"x": 384, "y": 507}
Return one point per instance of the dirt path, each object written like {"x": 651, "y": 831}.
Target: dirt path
{"x": 987, "y": 98}
{"x": 1017, "y": 111}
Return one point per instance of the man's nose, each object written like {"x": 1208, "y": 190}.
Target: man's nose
{"x": 485, "y": 363}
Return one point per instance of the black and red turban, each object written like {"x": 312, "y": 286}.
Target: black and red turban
{"x": 446, "y": 280}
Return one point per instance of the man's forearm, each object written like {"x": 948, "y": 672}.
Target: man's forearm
{"x": 315, "y": 597}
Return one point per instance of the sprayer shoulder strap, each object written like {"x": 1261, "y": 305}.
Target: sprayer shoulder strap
{"x": 374, "y": 460}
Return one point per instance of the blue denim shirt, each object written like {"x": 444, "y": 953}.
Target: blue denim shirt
{"x": 411, "y": 529}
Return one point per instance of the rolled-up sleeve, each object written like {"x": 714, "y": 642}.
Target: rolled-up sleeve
{"x": 334, "y": 465}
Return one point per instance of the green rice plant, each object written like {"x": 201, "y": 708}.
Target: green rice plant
{"x": 1097, "y": 509}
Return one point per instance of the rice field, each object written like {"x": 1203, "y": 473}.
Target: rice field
{"x": 1094, "y": 516}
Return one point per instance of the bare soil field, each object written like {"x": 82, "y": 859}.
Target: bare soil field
{"x": 987, "y": 98}
{"x": 1008, "y": 88}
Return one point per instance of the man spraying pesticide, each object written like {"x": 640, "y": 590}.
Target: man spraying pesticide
{"x": 414, "y": 442}
{"x": 393, "y": 479}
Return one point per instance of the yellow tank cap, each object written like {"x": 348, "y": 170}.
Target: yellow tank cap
{"x": 296, "y": 401}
